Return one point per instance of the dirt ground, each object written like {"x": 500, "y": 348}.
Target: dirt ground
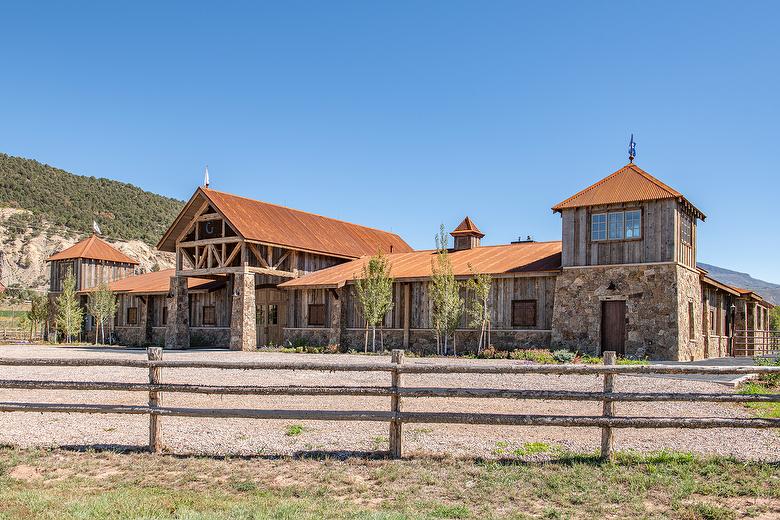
{"x": 276, "y": 437}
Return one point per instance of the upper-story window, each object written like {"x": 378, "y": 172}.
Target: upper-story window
{"x": 616, "y": 225}
{"x": 685, "y": 229}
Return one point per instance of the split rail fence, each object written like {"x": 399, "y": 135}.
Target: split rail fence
{"x": 395, "y": 416}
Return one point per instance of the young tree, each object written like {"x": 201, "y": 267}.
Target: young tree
{"x": 444, "y": 294}
{"x": 374, "y": 291}
{"x": 69, "y": 312}
{"x": 479, "y": 309}
{"x": 102, "y": 305}
{"x": 38, "y": 313}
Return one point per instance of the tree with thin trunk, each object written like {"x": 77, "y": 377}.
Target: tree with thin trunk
{"x": 102, "y": 305}
{"x": 444, "y": 294}
{"x": 69, "y": 312}
{"x": 374, "y": 291}
{"x": 479, "y": 306}
{"x": 38, "y": 313}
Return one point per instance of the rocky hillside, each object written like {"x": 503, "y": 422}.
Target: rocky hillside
{"x": 44, "y": 209}
{"x": 23, "y": 253}
{"x": 768, "y": 290}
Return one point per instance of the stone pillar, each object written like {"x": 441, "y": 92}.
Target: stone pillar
{"x": 177, "y": 331}
{"x": 243, "y": 334}
{"x": 337, "y": 316}
{"x": 143, "y": 319}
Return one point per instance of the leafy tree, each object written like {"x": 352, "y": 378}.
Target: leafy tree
{"x": 69, "y": 312}
{"x": 374, "y": 292}
{"x": 445, "y": 295}
{"x": 38, "y": 313}
{"x": 102, "y": 306}
{"x": 479, "y": 308}
{"x": 774, "y": 318}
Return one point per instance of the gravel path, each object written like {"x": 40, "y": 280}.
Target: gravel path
{"x": 248, "y": 437}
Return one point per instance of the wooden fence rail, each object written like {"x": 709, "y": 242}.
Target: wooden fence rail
{"x": 395, "y": 416}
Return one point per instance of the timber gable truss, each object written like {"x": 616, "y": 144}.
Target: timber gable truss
{"x": 210, "y": 245}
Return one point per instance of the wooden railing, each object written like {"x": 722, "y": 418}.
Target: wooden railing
{"x": 607, "y": 421}
{"x": 18, "y": 334}
{"x": 755, "y": 343}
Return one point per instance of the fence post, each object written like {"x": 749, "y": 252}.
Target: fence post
{"x": 155, "y": 400}
{"x": 395, "y": 405}
{"x": 607, "y": 440}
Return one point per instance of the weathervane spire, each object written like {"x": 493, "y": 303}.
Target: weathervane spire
{"x": 206, "y": 177}
{"x": 631, "y": 149}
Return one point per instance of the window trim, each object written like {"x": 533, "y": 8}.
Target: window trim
{"x": 535, "y": 323}
{"x": 607, "y": 213}
{"x": 135, "y": 316}
{"x": 213, "y": 309}
{"x": 308, "y": 315}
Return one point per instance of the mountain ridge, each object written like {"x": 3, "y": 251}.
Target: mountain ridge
{"x": 768, "y": 290}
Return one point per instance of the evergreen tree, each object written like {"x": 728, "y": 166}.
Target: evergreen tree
{"x": 374, "y": 292}
{"x": 69, "y": 312}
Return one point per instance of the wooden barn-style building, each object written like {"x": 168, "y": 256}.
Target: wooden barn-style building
{"x": 248, "y": 273}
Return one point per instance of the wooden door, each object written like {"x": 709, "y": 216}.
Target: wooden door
{"x": 271, "y": 316}
{"x": 613, "y": 326}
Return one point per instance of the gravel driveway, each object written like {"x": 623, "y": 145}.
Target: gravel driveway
{"x": 268, "y": 437}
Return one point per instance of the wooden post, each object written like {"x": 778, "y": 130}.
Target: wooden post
{"x": 607, "y": 440}
{"x": 155, "y": 400}
{"x": 395, "y": 406}
{"x": 407, "y": 312}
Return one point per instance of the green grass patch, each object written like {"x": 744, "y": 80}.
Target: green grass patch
{"x": 293, "y": 430}
{"x": 764, "y": 410}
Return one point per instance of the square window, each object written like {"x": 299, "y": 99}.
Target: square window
{"x": 209, "y": 315}
{"x": 633, "y": 224}
{"x": 132, "y": 315}
{"x": 523, "y": 313}
{"x": 598, "y": 227}
{"x": 615, "y": 226}
{"x": 316, "y": 314}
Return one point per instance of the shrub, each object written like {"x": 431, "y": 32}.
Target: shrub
{"x": 293, "y": 430}
{"x": 771, "y": 380}
{"x": 587, "y": 359}
{"x": 563, "y": 356}
{"x": 532, "y": 354}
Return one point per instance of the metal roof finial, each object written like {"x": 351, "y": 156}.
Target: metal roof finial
{"x": 631, "y": 149}
{"x": 206, "y": 177}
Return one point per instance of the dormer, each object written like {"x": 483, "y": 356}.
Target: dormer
{"x": 91, "y": 261}
{"x": 629, "y": 217}
{"x": 467, "y": 235}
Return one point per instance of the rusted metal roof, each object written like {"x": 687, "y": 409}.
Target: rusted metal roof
{"x": 278, "y": 225}
{"x": 158, "y": 282}
{"x": 496, "y": 260}
{"x": 629, "y": 184}
{"x": 467, "y": 227}
{"x": 93, "y": 248}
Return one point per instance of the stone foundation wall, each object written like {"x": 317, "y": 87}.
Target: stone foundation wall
{"x": 130, "y": 336}
{"x": 689, "y": 291}
{"x": 421, "y": 341}
{"x": 218, "y": 337}
{"x": 652, "y": 313}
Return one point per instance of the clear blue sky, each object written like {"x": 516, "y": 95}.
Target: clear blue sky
{"x": 404, "y": 115}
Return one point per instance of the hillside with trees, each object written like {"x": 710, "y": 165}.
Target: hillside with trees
{"x": 71, "y": 201}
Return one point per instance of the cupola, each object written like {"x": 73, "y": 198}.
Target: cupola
{"x": 467, "y": 235}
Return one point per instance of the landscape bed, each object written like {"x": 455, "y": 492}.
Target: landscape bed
{"x": 86, "y": 485}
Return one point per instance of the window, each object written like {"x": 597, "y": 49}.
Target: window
{"x": 209, "y": 315}
{"x": 273, "y": 314}
{"x": 598, "y": 228}
{"x": 616, "y": 225}
{"x": 523, "y": 313}
{"x": 132, "y": 315}
{"x": 317, "y": 314}
{"x": 713, "y": 323}
{"x": 633, "y": 224}
{"x": 165, "y": 315}
{"x": 691, "y": 324}
{"x": 685, "y": 229}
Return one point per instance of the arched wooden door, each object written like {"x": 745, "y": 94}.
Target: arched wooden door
{"x": 271, "y": 316}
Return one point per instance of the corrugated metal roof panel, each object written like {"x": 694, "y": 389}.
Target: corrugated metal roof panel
{"x": 628, "y": 184}
{"x": 95, "y": 249}
{"x": 495, "y": 260}
{"x": 158, "y": 282}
